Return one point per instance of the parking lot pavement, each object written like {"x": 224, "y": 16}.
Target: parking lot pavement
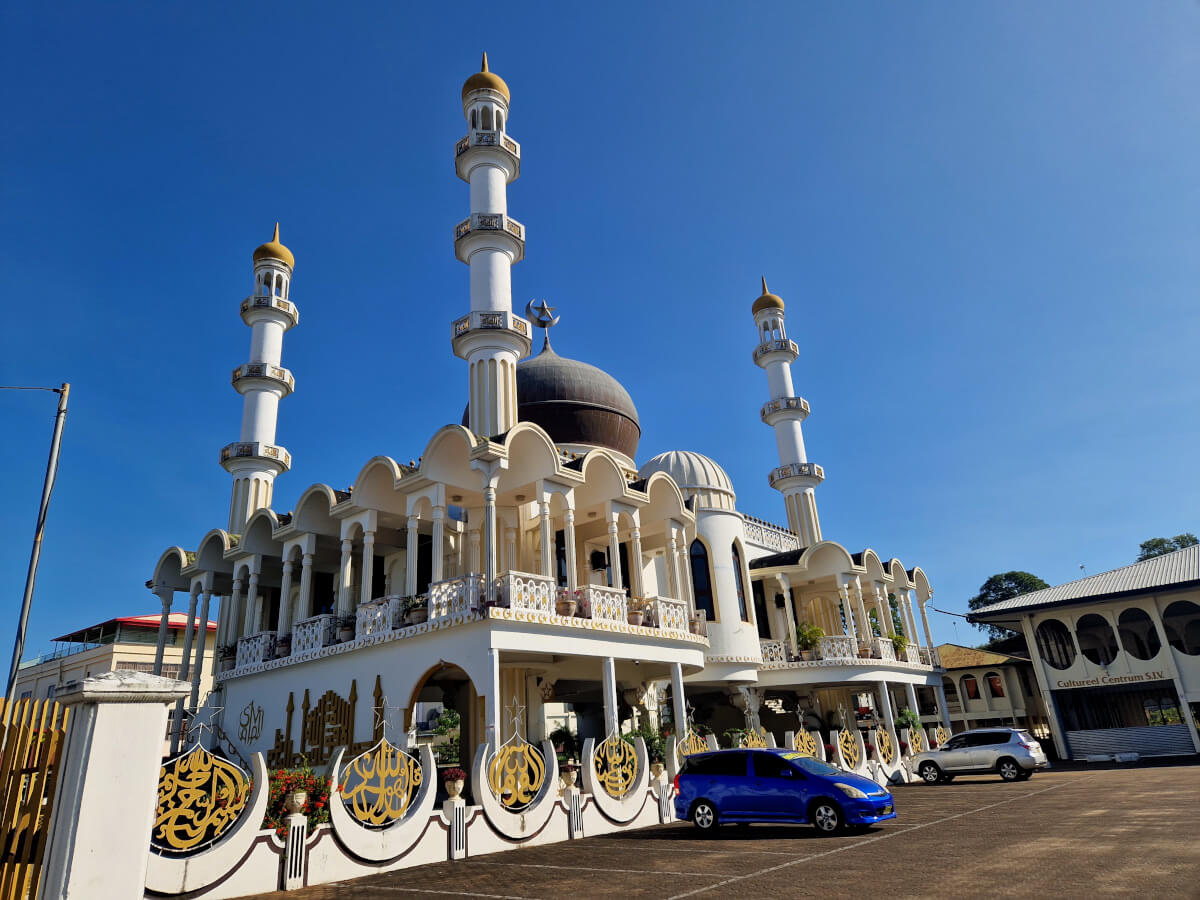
{"x": 1067, "y": 833}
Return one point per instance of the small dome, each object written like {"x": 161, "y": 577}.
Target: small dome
{"x": 695, "y": 474}
{"x": 484, "y": 80}
{"x": 766, "y": 301}
{"x": 272, "y": 249}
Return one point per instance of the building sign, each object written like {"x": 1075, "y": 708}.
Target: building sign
{"x": 1112, "y": 679}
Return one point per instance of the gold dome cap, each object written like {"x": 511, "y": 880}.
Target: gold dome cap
{"x": 272, "y": 249}
{"x": 485, "y": 81}
{"x": 766, "y": 301}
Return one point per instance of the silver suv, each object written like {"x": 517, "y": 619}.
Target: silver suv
{"x": 1011, "y": 753}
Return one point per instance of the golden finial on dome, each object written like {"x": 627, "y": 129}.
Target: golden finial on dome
{"x": 273, "y": 249}
{"x": 486, "y": 80}
{"x": 767, "y": 300}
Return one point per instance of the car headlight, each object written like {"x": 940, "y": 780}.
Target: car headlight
{"x": 850, "y": 791}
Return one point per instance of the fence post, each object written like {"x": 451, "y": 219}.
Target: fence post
{"x": 104, "y": 806}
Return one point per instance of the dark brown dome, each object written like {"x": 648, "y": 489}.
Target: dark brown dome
{"x": 576, "y": 403}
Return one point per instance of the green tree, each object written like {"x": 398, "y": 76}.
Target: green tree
{"x": 1158, "y": 546}
{"x": 1003, "y": 587}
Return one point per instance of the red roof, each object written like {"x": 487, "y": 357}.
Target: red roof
{"x": 176, "y": 622}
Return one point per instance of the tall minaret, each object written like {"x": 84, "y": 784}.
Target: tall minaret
{"x": 490, "y": 338}
{"x": 256, "y": 459}
{"x": 795, "y": 477}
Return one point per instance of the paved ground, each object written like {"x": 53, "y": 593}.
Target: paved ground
{"x": 1113, "y": 832}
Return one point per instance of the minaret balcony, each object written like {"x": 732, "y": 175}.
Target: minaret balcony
{"x": 256, "y": 303}
{"x": 252, "y": 375}
{"x": 478, "y": 326}
{"x": 493, "y": 230}
{"x": 255, "y": 450}
{"x": 489, "y": 141}
{"x": 769, "y": 351}
{"x": 809, "y": 471}
{"x": 785, "y": 408}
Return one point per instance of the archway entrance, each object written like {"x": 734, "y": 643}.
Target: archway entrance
{"x": 448, "y": 714}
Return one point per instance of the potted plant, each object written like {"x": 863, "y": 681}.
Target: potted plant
{"x": 454, "y": 778}
{"x": 637, "y": 612}
{"x": 900, "y": 642}
{"x": 345, "y": 628}
{"x": 808, "y": 638}
{"x": 227, "y": 654}
{"x": 418, "y": 610}
{"x": 283, "y": 646}
{"x": 569, "y": 772}
{"x": 566, "y": 602}
{"x": 656, "y": 768}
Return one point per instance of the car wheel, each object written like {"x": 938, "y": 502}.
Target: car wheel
{"x": 1025, "y": 775}
{"x": 1008, "y": 769}
{"x": 930, "y": 772}
{"x": 826, "y": 817}
{"x": 704, "y": 816}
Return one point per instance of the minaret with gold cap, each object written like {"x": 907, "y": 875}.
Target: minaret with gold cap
{"x": 256, "y": 459}
{"x": 796, "y": 478}
{"x": 490, "y": 337}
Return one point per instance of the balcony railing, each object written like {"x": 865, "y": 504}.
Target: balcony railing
{"x": 667, "y": 614}
{"x": 773, "y": 651}
{"x": 313, "y": 633}
{"x": 776, "y": 347}
{"x": 604, "y": 603}
{"x": 883, "y": 648}
{"x": 773, "y": 406}
{"x": 793, "y": 470}
{"x": 377, "y": 616}
{"x": 454, "y": 596}
{"x": 256, "y": 648}
{"x": 911, "y": 655}
{"x": 520, "y": 590}
{"x": 838, "y": 646}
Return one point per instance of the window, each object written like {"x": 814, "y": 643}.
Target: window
{"x": 1138, "y": 635}
{"x": 718, "y": 764}
{"x": 770, "y": 765}
{"x": 995, "y": 684}
{"x": 958, "y": 742}
{"x": 951, "y": 691}
{"x": 970, "y": 687}
{"x": 1096, "y": 639}
{"x": 1181, "y": 620}
{"x": 741, "y": 588}
{"x": 701, "y": 579}
{"x": 1055, "y": 644}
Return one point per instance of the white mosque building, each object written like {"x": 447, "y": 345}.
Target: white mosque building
{"x": 527, "y": 558}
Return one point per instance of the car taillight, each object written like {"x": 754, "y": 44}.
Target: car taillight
{"x": 1025, "y": 745}
{"x": 675, "y": 784}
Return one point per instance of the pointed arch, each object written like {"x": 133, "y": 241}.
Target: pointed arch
{"x": 312, "y": 511}
{"x": 375, "y": 486}
{"x": 827, "y": 558}
{"x": 169, "y": 566}
{"x": 210, "y": 555}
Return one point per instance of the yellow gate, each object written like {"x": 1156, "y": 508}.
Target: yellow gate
{"x": 31, "y": 741}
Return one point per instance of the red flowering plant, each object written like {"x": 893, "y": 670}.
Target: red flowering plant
{"x": 454, "y": 775}
{"x": 288, "y": 781}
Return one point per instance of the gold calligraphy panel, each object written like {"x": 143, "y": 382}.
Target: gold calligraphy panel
{"x": 887, "y": 750}
{"x": 693, "y": 743}
{"x": 848, "y": 742}
{"x": 199, "y": 797}
{"x": 616, "y": 765}
{"x": 754, "y": 740}
{"x": 916, "y": 741}
{"x": 942, "y": 735}
{"x": 806, "y": 743}
{"x": 516, "y": 773}
{"x": 378, "y": 786}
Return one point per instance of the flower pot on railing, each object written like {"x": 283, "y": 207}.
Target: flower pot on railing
{"x": 417, "y": 615}
{"x": 565, "y": 604}
{"x": 294, "y": 802}
{"x": 283, "y": 647}
{"x": 345, "y": 628}
{"x": 636, "y": 617}
{"x": 569, "y": 773}
{"x": 454, "y": 779}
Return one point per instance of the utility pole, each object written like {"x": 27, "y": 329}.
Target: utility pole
{"x": 35, "y": 554}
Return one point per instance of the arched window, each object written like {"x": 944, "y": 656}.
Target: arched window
{"x": 474, "y": 119}
{"x": 951, "y": 690}
{"x": 970, "y": 687}
{"x": 499, "y": 120}
{"x": 1139, "y": 637}
{"x": 1096, "y": 639}
{"x": 1055, "y": 644}
{"x": 487, "y": 118}
{"x": 743, "y": 611}
{"x": 1182, "y": 623}
{"x": 995, "y": 684}
{"x": 702, "y": 579}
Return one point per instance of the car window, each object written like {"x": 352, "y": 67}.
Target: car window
{"x": 812, "y": 766}
{"x": 990, "y": 738}
{"x": 732, "y": 763}
{"x": 769, "y": 765}
{"x": 958, "y": 742}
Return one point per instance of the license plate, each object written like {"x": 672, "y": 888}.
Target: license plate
{"x": 887, "y": 809}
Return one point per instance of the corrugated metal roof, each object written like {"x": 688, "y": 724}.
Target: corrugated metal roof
{"x": 956, "y": 656}
{"x": 1179, "y": 567}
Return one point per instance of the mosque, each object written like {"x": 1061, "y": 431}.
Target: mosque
{"x": 527, "y": 563}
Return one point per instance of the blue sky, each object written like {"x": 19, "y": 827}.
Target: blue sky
{"x": 983, "y": 219}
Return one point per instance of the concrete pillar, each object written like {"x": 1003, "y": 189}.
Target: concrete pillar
{"x": 672, "y": 567}
{"x": 614, "y": 556}
{"x": 166, "y": 596}
{"x": 234, "y": 615}
{"x": 410, "y": 558}
{"x": 285, "y": 601}
{"x": 185, "y": 667}
{"x": 368, "y": 567}
{"x": 439, "y": 541}
{"x": 569, "y": 550}
{"x": 610, "y": 696}
{"x": 635, "y": 564}
{"x": 864, "y": 628}
{"x": 678, "y": 701}
{"x": 925, "y": 625}
{"x": 910, "y": 620}
{"x": 489, "y": 542}
{"x": 201, "y": 641}
{"x": 252, "y": 618}
{"x": 99, "y": 828}
{"x": 474, "y": 561}
{"x": 547, "y": 536}
{"x": 912, "y": 698}
{"x": 511, "y": 561}
{"x": 885, "y": 703}
{"x": 882, "y": 610}
{"x": 943, "y": 713}
{"x": 684, "y": 569}
{"x": 306, "y": 599}
{"x": 494, "y": 701}
{"x": 848, "y": 610}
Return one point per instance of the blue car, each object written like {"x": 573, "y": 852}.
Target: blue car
{"x": 776, "y": 786}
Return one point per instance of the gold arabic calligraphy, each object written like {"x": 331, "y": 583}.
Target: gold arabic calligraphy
{"x": 379, "y": 785}
{"x": 516, "y": 773}
{"x": 616, "y": 766}
{"x": 199, "y": 798}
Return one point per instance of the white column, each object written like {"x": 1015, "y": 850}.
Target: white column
{"x": 678, "y": 701}
{"x": 494, "y": 701}
{"x": 885, "y": 702}
{"x": 511, "y": 560}
{"x": 610, "y": 696}
{"x": 368, "y": 567}
{"x": 252, "y": 616}
{"x": 910, "y": 620}
{"x": 439, "y": 541}
{"x": 103, "y": 811}
{"x": 185, "y": 667}
{"x": 635, "y": 564}
{"x": 285, "y": 601}
{"x": 166, "y": 596}
{"x": 489, "y": 542}
{"x": 345, "y": 603}
{"x": 928, "y": 630}
{"x": 410, "y": 558}
{"x": 614, "y": 556}
{"x": 475, "y": 563}
{"x": 861, "y": 609}
{"x": 547, "y": 539}
{"x": 569, "y": 550}
{"x": 848, "y": 610}
{"x": 672, "y": 567}
{"x": 912, "y": 698}
{"x": 882, "y": 610}
{"x": 943, "y": 713}
{"x": 235, "y": 616}
{"x": 201, "y": 642}
{"x": 306, "y": 599}
{"x": 684, "y": 566}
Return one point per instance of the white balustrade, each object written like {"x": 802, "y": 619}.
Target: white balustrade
{"x": 667, "y": 614}
{"x": 313, "y": 633}
{"x": 256, "y": 648}
{"x": 605, "y": 604}
{"x": 520, "y": 590}
{"x": 883, "y": 648}
{"x": 773, "y": 651}
{"x": 838, "y": 646}
{"x": 911, "y": 655}
{"x": 377, "y": 616}
{"x": 454, "y": 596}
{"x": 698, "y": 624}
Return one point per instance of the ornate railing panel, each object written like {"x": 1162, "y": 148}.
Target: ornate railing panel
{"x": 668, "y": 614}
{"x": 616, "y": 765}
{"x": 883, "y": 648}
{"x": 200, "y": 796}
{"x": 838, "y": 646}
{"x": 378, "y": 786}
{"x": 773, "y": 651}
{"x": 911, "y": 655}
{"x": 454, "y": 596}
{"x": 772, "y": 536}
{"x": 698, "y": 624}
{"x": 256, "y": 648}
{"x": 312, "y": 633}
{"x": 520, "y": 590}
{"x": 377, "y": 616}
{"x": 605, "y": 604}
